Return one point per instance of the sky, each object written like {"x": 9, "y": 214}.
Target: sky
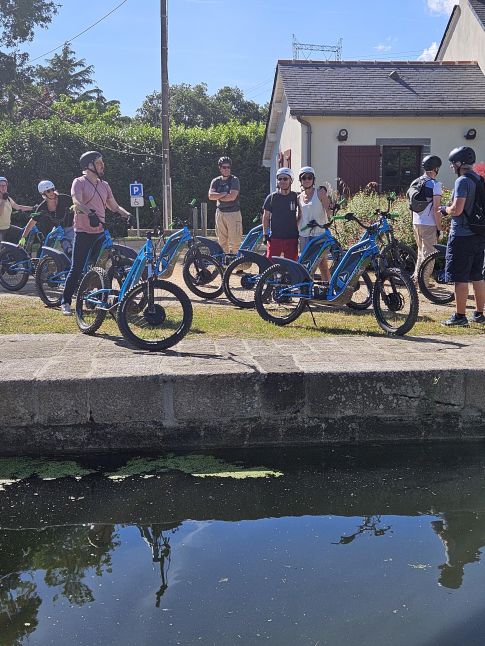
{"x": 233, "y": 42}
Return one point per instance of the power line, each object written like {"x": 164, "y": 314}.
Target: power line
{"x": 80, "y": 33}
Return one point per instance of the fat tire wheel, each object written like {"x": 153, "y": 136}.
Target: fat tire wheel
{"x": 365, "y": 304}
{"x": 401, "y": 280}
{"x": 130, "y": 300}
{"x": 96, "y": 278}
{"x": 46, "y": 265}
{"x": 423, "y": 287}
{"x": 6, "y": 258}
{"x": 261, "y": 295}
{"x": 206, "y": 261}
{"x": 231, "y": 268}
{"x": 406, "y": 253}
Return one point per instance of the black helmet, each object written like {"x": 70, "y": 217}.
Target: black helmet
{"x": 88, "y": 158}
{"x": 431, "y": 162}
{"x": 463, "y": 154}
{"x": 224, "y": 160}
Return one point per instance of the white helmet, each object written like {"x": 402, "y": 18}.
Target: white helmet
{"x": 3, "y": 179}
{"x": 284, "y": 171}
{"x": 44, "y": 186}
{"x": 306, "y": 170}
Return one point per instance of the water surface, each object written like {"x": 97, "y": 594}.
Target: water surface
{"x": 371, "y": 546}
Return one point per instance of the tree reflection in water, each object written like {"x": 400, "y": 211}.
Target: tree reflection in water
{"x": 65, "y": 554}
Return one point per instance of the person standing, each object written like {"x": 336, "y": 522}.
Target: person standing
{"x": 314, "y": 205}
{"x": 465, "y": 250}
{"x": 54, "y": 210}
{"x": 91, "y": 194}
{"x": 427, "y": 223}
{"x": 7, "y": 204}
{"x": 280, "y": 217}
{"x": 225, "y": 190}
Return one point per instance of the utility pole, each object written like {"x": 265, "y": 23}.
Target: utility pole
{"x": 166, "y": 180}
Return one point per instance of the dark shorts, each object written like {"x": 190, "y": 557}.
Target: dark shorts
{"x": 281, "y": 246}
{"x": 465, "y": 259}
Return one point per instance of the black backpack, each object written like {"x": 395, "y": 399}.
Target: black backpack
{"x": 418, "y": 194}
{"x": 476, "y": 218}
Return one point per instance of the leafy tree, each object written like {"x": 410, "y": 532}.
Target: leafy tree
{"x": 233, "y": 105}
{"x": 192, "y": 106}
{"x": 15, "y": 79}
{"x": 89, "y": 111}
{"x": 64, "y": 74}
{"x": 20, "y": 17}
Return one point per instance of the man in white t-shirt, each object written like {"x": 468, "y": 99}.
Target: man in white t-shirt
{"x": 427, "y": 223}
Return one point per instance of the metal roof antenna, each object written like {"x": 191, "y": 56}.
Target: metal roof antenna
{"x": 307, "y": 48}
{"x": 394, "y": 75}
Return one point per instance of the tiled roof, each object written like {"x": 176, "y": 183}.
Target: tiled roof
{"x": 403, "y": 88}
{"x": 479, "y": 8}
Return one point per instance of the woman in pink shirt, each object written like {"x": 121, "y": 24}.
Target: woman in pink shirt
{"x": 90, "y": 195}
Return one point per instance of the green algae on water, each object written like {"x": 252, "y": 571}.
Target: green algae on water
{"x": 198, "y": 466}
{"x": 45, "y": 469}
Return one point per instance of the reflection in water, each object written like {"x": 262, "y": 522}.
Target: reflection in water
{"x": 160, "y": 546}
{"x": 371, "y": 525}
{"x": 63, "y": 541}
{"x": 463, "y": 534}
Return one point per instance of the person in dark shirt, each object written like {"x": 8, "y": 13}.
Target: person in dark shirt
{"x": 54, "y": 210}
{"x": 465, "y": 250}
{"x": 225, "y": 191}
{"x": 280, "y": 217}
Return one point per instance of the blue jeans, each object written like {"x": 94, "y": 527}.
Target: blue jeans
{"x": 82, "y": 245}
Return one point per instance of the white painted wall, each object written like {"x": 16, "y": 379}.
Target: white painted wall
{"x": 445, "y": 133}
{"x": 288, "y": 136}
{"x": 467, "y": 40}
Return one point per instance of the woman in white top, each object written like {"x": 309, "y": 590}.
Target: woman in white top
{"x": 6, "y": 206}
{"x": 313, "y": 206}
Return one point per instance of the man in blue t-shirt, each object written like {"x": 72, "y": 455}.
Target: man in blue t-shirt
{"x": 465, "y": 250}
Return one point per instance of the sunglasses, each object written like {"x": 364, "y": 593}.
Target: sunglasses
{"x": 283, "y": 179}
{"x": 225, "y": 167}
{"x": 307, "y": 177}
{"x": 50, "y": 190}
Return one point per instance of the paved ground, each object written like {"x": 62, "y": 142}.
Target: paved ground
{"x": 73, "y": 356}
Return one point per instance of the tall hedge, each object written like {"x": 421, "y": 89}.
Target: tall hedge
{"x": 50, "y": 149}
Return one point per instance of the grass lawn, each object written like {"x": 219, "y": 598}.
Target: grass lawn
{"x": 27, "y": 315}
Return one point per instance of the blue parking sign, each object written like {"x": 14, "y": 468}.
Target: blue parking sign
{"x": 136, "y": 190}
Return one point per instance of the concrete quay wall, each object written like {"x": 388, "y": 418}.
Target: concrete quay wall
{"x": 62, "y": 394}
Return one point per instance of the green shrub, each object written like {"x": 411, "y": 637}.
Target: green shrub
{"x": 51, "y": 149}
{"x": 364, "y": 207}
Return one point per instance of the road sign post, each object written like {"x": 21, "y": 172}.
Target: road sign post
{"x": 137, "y": 200}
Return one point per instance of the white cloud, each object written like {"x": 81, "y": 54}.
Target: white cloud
{"x": 386, "y": 46}
{"x": 429, "y": 53}
{"x": 441, "y": 6}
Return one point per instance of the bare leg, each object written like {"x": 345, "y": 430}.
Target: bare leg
{"x": 461, "y": 296}
{"x": 479, "y": 289}
{"x": 324, "y": 270}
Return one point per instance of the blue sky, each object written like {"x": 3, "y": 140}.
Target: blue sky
{"x": 234, "y": 42}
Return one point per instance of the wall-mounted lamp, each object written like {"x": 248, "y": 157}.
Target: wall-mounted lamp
{"x": 343, "y": 134}
{"x": 471, "y": 134}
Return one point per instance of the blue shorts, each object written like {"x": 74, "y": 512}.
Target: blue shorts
{"x": 465, "y": 259}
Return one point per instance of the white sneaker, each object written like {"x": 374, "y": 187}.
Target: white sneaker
{"x": 66, "y": 309}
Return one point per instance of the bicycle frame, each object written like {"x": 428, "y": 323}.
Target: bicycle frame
{"x": 163, "y": 267}
{"x": 345, "y": 275}
{"x": 60, "y": 276}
